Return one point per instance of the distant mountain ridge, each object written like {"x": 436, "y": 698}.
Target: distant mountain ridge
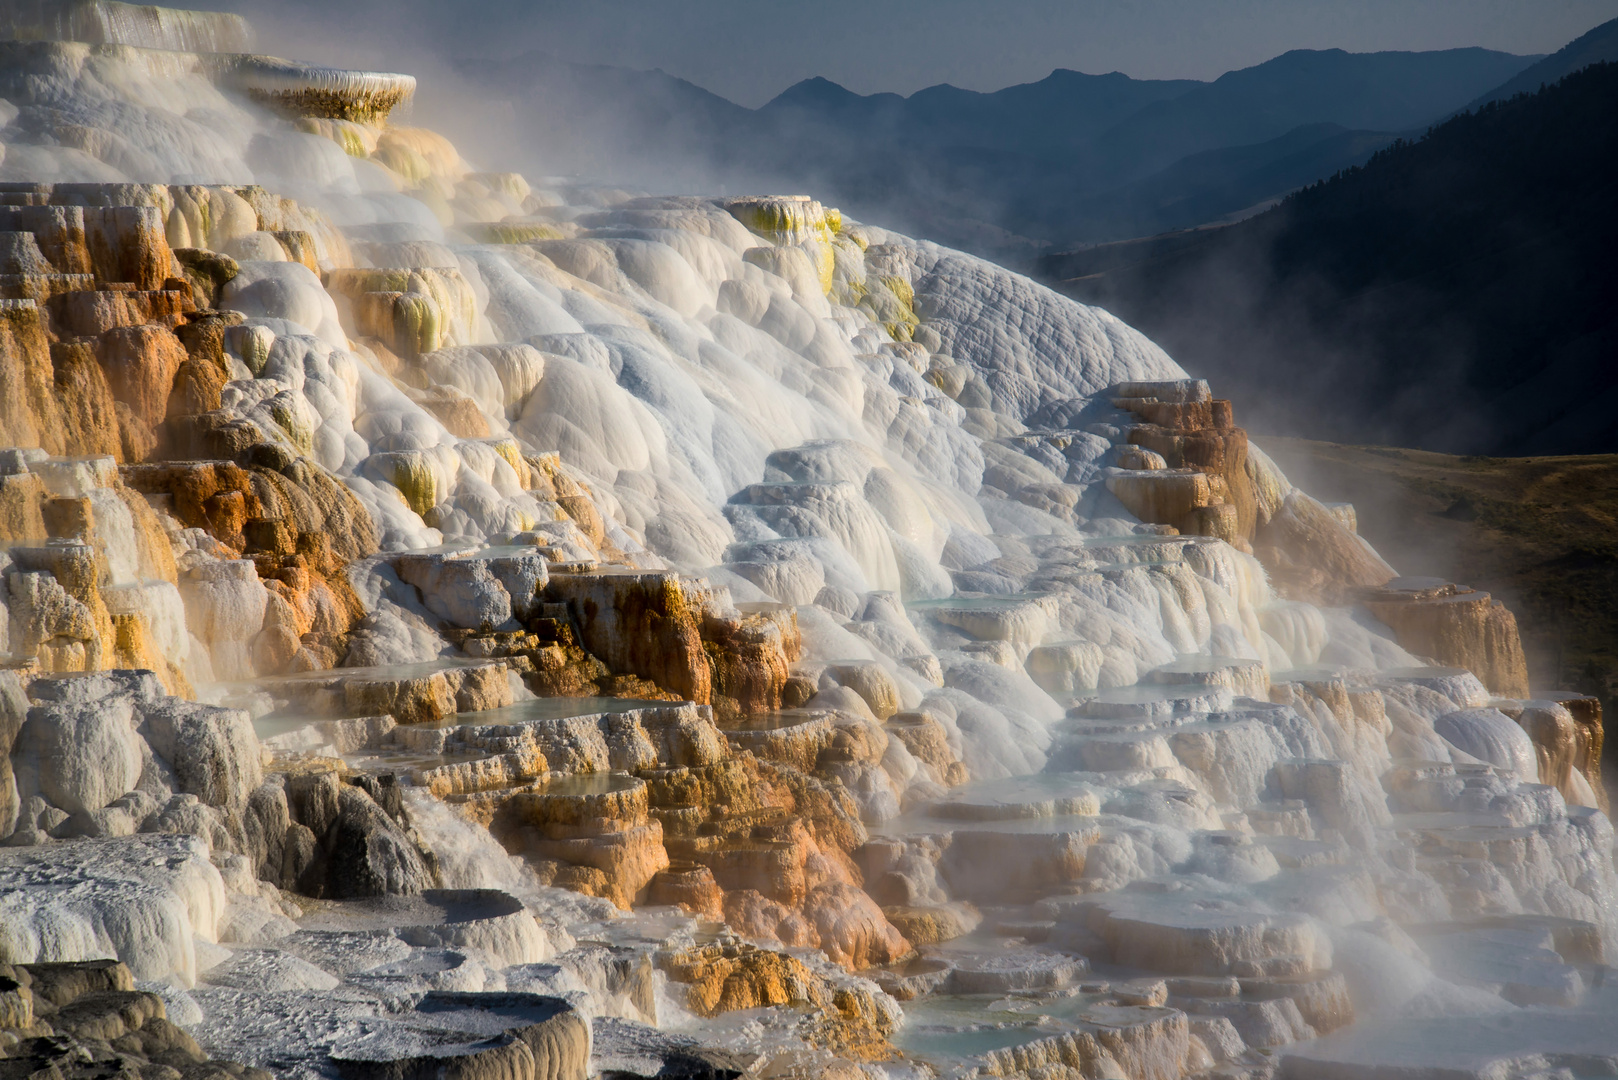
{"x": 1387, "y": 91}
{"x": 1070, "y": 158}
{"x": 1015, "y": 118}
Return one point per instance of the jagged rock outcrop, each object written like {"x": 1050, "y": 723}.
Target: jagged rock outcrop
{"x": 346, "y": 838}
{"x": 581, "y": 631}
{"x": 592, "y": 835}
{"x": 1193, "y": 473}
{"x": 697, "y": 825}
{"x": 114, "y": 358}
{"x": 90, "y": 326}
{"x": 110, "y": 755}
{"x": 13, "y": 712}
{"x": 842, "y": 1014}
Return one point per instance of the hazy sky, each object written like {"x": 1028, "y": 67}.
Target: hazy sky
{"x": 750, "y": 50}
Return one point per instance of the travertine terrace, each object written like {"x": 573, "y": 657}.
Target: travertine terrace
{"x": 460, "y": 624}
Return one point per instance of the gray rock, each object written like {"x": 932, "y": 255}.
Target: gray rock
{"x": 13, "y": 711}
{"x": 299, "y": 853}
{"x": 213, "y": 752}
{"x": 35, "y": 822}
{"x": 156, "y": 778}
{"x": 186, "y": 815}
{"x": 270, "y": 970}
{"x": 344, "y": 844}
{"x": 132, "y": 684}
{"x": 384, "y": 790}
{"x": 524, "y": 577}
{"x": 121, "y": 817}
{"x": 462, "y": 592}
{"x": 312, "y": 800}
{"x": 33, "y": 808}
{"x": 368, "y": 854}
{"x": 80, "y": 756}
{"x": 265, "y": 822}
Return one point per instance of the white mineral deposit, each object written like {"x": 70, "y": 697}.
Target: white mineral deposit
{"x": 462, "y": 624}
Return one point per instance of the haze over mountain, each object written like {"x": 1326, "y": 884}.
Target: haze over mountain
{"x": 1456, "y": 293}
{"x": 1071, "y": 158}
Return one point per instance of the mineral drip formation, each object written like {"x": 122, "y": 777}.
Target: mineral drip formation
{"x": 460, "y": 624}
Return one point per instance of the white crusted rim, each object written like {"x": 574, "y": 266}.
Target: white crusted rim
{"x": 272, "y": 75}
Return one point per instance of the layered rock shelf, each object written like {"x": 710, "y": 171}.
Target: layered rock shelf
{"x": 459, "y": 624}
{"x": 303, "y": 90}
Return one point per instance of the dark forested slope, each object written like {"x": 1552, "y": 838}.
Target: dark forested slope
{"x": 1598, "y": 45}
{"x": 1455, "y": 293}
